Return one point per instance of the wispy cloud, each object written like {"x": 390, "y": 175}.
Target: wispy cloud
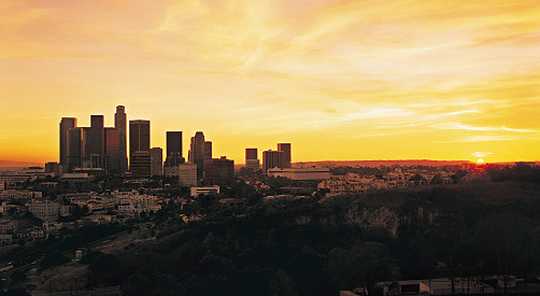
{"x": 467, "y": 127}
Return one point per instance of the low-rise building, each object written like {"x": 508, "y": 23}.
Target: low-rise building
{"x": 44, "y": 210}
{"x": 198, "y": 191}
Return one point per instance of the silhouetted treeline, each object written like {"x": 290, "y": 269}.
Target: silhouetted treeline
{"x": 518, "y": 173}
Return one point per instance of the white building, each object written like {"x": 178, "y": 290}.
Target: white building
{"x": 197, "y": 191}
{"x": 134, "y": 204}
{"x": 301, "y": 174}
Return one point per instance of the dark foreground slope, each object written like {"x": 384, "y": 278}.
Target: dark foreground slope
{"x": 316, "y": 247}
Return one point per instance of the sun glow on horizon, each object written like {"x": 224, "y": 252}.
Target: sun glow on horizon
{"x": 341, "y": 80}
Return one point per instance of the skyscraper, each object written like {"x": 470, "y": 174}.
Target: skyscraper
{"x": 94, "y": 143}
{"x": 66, "y": 123}
{"x": 286, "y": 156}
{"x": 120, "y": 123}
{"x": 271, "y": 159}
{"x": 97, "y": 121}
{"x": 141, "y": 164}
{"x": 208, "y": 150}
{"x": 75, "y": 148}
{"x": 113, "y": 160}
{"x": 156, "y": 158}
{"x": 139, "y": 139}
{"x": 252, "y": 159}
{"x": 174, "y": 155}
{"x": 197, "y": 152}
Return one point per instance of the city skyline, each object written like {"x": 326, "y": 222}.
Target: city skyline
{"x": 342, "y": 80}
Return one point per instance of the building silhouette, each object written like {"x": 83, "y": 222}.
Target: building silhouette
{"x": 272, "y": 159}
{"x": 218, "y": 171}
{"x": 139, "y": 141}
{"x": 174, "y": 155}
{"x": 113, "y": 151}
{"x": 285, "y": 148}
{"x": 197, "y": 153}
{"x": 66, "y": 123}
{"x": 120, "y": 123}
{"x": 252, "y": 159}
{"x": 208, "y": 150}
{"x": 156, "y": 157}
{"x": 140, "y": 164}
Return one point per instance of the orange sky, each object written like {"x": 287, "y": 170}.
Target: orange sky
{"x": 340, "y": 79}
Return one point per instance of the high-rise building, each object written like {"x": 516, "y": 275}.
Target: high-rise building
{"x": 218, "y": 171}
{"x": 139, "y": 138}
{"x": 75, "y": 148}
{"x": 286, "y": 156}
{"x": 120, "y": 123}
{"x": 140, "y": 164}
{"x": 113, "y": 151}
{"x": 271, "y": 159}
{"x": 156, "y": 156}
{"x": 66, "y": 124}
{"x": 94, "y": 143}
{"x": 197, "y": 153}
{"x": 174, "y": 155}
{"x": 187, "y": 174}
{"x": 97, "y": 121}
{"x": 208, "y": 150}
{"x": 252, "y": 159}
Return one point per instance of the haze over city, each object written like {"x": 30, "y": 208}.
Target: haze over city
{"x": 343, "y": 80}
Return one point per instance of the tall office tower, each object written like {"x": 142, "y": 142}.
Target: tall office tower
{"x": 75, "y": 148}
{"x": 271, "y": 159}
{"x": 187, "y": 174}
{"x": 197, "y": 152}
{"x": 174, "y": 149}
{"x": 286, "y": 157}
{"x": 139, "y": 138}
{"x": 252, "y": 159}
{"x": 208, "y": 150}
{"x": 66, "y": 124}
{"x": 120, "y": 123}
{"x": 140, "y": 164}
{"x": 97, "y": 121}
{"x": 94, "y": 143}
{"x": 218, "y": 171}
{"x": 113, "y": 159}
{"x": 156, "y": 158}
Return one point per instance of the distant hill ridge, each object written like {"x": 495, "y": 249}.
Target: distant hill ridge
{"x": 377, "y": 163}
{"x": 18, "y": 164}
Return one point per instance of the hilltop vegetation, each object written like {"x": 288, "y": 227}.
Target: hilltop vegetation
{"x": 316, "y": 247}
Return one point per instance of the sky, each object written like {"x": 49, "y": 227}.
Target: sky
{"x": 340, "y": 79}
